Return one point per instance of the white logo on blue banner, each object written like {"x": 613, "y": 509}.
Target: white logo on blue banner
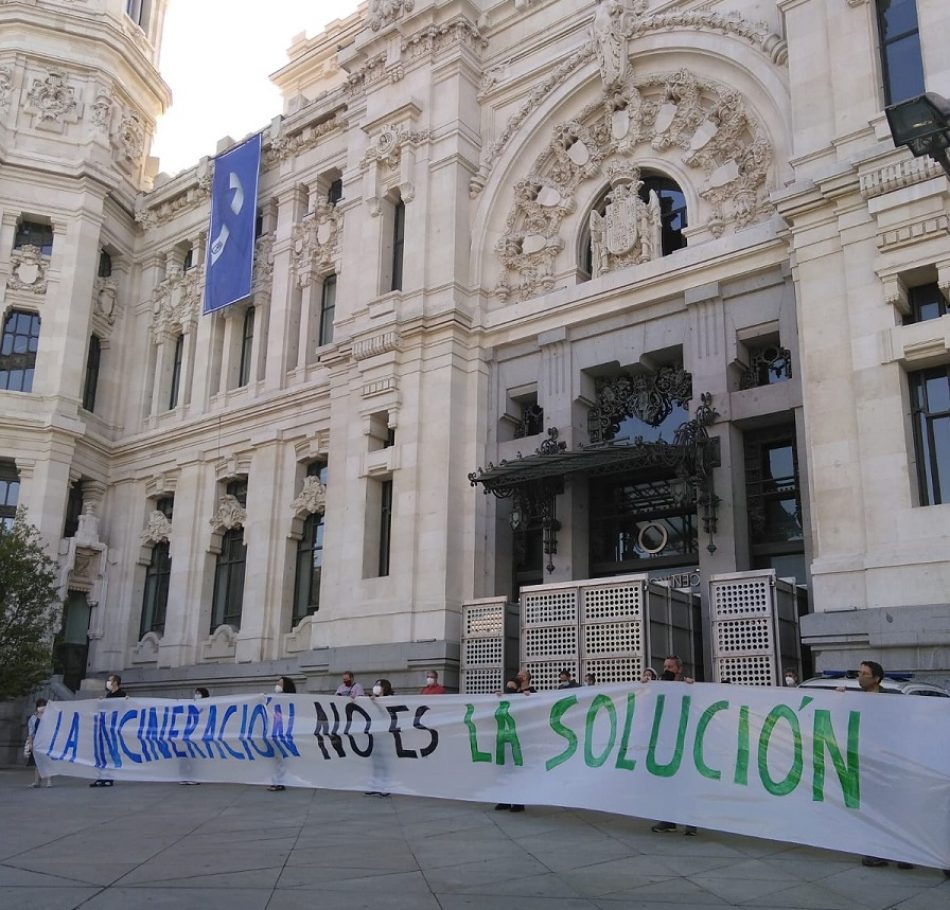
{"x": 233, "y": 215}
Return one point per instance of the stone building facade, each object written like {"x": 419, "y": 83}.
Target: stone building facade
{"x": 660, "y": 257}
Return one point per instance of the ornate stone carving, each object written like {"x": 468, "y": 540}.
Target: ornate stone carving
{"x": 130, "y": 138}
{"x": 378, "y": 344}
{"x": 102, "y": 112}
{"x": 382, "y": 12}
{"x": 905, "y": 172}
{"x": 630, "y": 230}
{"x": 386, "y": 147}
{"x": 370, "y": 73}
{"x": 6, "y": 86}
{"x": 312, "y": 498}
{"x": 175, "y": 302}
{"x": 296, "y": 143}
{"x": 649, "y": 397}
{"x": 316, "y": 243}
{"x": 610, "y": 41}
{"x": 263, "y": 264}
{"x": 52, "y": 101}
{"x": 758, "y": 34}
{"x": 704, "y": 124}
{"x": 158, "y": 529}
{"x": 104, "y": 291}
{"x": 434, "y": 38}
{"x": 230, "y": 514}
{"x": 28, "y": 268}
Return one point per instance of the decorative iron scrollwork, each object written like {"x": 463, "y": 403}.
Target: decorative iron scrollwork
{"x": 764, "y": 363}
{"x": 650, "y": 397}
{"x": 531, "y": 423}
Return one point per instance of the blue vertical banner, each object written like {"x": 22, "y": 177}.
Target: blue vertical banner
{"x": 230, "y": 257}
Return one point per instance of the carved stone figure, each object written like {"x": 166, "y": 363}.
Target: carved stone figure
{"x": 230, "y": 514}
{"x": 104, "y": 299}
{"x": 382, "y": 12}
{"x": 175, "y": 302}
{"x": 131, "y": 137}
{"x": 158, "y": 529}
{"x": 6, "y": 86}
{"x": 610, "y": 42}
{"x": 102, "y": 112}
{"x": 312, "y": 499}
{"x": 316, "y": 242}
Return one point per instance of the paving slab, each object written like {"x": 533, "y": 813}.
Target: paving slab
{"x": 234, "y": 847}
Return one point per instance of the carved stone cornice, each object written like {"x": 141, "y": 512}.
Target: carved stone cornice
{"x": 296, "y": 143}
{"x": 906, "y": 234}
{"x": 373, "y": 71}
{"x": 312, "y": 498}
{"x": 158, "y": 529}
{"x": 378, "y": 344}
{"x": 230, "y": 515}
{"x": 386, "y": 147}
{"x": 435, "y": 38}
{"x": 28, "y": 268}
{"x": 904, "y": 173}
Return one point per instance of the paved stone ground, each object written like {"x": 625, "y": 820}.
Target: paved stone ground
{"x": 243, "y": 848}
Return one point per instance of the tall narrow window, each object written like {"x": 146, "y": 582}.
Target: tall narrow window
{"x": 335, "y": 193}
{"x": 900, "y": 50}
{"x": 228, "y": 599}
{"x": 34, "y": 233}
{"x": 21, "y": 338}
{"x": 73, "y": 509}
{"x": 155, "y": 598}
{"x": 930, "y": 390}
{"x": 399, "y": 240}
{"x": 926, "y": 302}
{"x": 188, "y": 262}
{"x": 176, "y": 373}
{"x": 247, "y": 345}
{"x": 327, "y": 309}
{"x": 310, "y": 557}
{"x": 105, "y": 264}
{"x": 385, "y": 525}
{"x": 92, "y": 373}
{"x": 137, "y": 11}
{"x": 9, "y": 494}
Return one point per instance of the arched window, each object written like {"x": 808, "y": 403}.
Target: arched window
{"x": 672, "y": 216}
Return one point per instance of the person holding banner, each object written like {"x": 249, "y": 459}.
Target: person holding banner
{"x": 284, "y": 686}
{"x": 113, "y": 690}
{"x": 673, "y": 672}
{"x": 349, "y": 688}
{"x": 520, "y": 685}
{"x": 32, "y": 725}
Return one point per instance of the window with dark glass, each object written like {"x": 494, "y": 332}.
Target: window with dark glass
{"x": 327, "y": 309}
{"x": 137, "y": 11}
{"x": 34, "y": 233}
{"x": 155, "y": 598}
{"x": 92, "y": 373}
{"x": 930, "y": 395}
{"x": 399, "y": 242}
{"x": 768, "y": 363}
{"x": 310, "y": 557}
{"x": 335, "y": 193}
{"x": 73, "y": 509}
{"x": 238, "y": 489}
{"x": 901, "y": 62}
{"x": 259, "y": 224}
{"x": 773, "y": 501}
{"x": 247, "y": 345}
{"x": 21, "y": 339}
{"x": 532, "y": 416}
{"x": 229, "y": 581}
{"x": 9, "y": 494}
{"x": 385, "y": 525}
{"x": 105, "y": 264}
{"x": 188, "y": 262}
{"x": 925, "y": 302}
{"x": 176, "y": 372}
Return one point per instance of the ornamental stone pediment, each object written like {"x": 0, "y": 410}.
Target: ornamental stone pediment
{"x": 316, "y": 243}
{"x": 702, "y": 125}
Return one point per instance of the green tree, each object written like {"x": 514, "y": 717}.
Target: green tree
{"x": 30, "y": 609}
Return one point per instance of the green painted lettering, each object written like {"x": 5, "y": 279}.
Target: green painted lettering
{"x": 742, "y": 753}
{"x": 848, "y": 771}
{"x": 507, "y": 735}
{"x": 672, "y": 766}
{"x": 605, "y": 703}
{"x": 704, "y": 721}
{"x": 627, "y": 764}
{"x": 791, "y": 780}
{"x": 477, "y": 754}
{"x": 558, "y": 710}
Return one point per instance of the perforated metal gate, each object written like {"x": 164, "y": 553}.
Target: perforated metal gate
{"x": 754, "y": 627}
{"x": 489, "y": 644}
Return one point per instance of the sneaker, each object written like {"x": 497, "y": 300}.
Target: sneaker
{"x": 663, "y": 827}
{"x": 49, "y": 783}
{"x": 98, "y": 783}
{"x": 503, "y": 807}
{"x": 108, "y": 783}
{"x": 275, "y": 787}
{"x": 690, "y": 831}
{"x": 32, "y": 786}
{"x": 873, "y": 861}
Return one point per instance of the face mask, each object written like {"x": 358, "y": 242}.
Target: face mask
{"x": 39, "y": 711}
{"x": 377, "y": 690}
{"x": 109, "y": 685}
{"x": 789, "y": 680}
{"x": 668, "y": 676}
{"x": 430, "y": 680}
{"x": 278, "y": 688}
{"x": 198, "y": 695}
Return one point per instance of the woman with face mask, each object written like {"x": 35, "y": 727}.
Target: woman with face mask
{"x": 32, "y": 725}
{"x": 382, "y": 688}
{"x": 283, "y": 686}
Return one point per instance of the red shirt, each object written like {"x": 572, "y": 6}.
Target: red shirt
{"x": 433, "y": 690}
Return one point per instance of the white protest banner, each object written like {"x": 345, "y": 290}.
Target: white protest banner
{"x": 846, "y": 771}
